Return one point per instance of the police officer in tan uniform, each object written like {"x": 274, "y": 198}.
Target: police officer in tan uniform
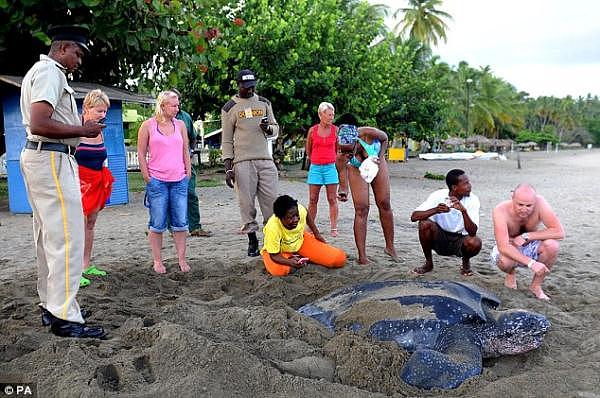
{"x": 50, "y": 171}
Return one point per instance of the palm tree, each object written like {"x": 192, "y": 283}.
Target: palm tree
{"x": 423, "y": 21}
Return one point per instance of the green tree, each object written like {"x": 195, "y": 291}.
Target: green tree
{"x": 538, "y": 136}
{"x": 135, "y": 42}
{"x": 418, "y": 104}
{"x": 423, "y": 22}
{"x": 495, "y": 107}
{"x": 303, "y": 52}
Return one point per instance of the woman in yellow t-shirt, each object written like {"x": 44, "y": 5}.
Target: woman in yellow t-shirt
{"x": 288, "y": 246}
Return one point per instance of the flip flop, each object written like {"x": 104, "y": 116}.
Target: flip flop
{"x": 334, "y": 232}
{"x": 83, "y": 282}
{"x": 93, "y": 270}
{"x": 466, "y": 272}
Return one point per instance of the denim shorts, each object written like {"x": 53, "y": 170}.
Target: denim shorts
{"x": 165, "y": 197}
{"x": 322, "y": 174}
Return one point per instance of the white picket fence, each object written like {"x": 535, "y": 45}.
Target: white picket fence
{"x": 133, "y": 163}
{"x": 292, "y": 155}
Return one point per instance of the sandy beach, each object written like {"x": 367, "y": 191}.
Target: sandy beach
{"x": 227, "y": 329}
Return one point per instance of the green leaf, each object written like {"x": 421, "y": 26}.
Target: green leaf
{"x": 131, "y": 40}
{"x": 91, "y": 3}
{"x": 41, "y": 36}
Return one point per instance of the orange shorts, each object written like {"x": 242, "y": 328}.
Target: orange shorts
{"x": 318, "y": 252}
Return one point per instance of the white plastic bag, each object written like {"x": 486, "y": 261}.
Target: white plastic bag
{"x": 369, "y": 168}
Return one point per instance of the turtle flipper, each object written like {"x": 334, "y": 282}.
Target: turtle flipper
{"x": 455, "y": 357}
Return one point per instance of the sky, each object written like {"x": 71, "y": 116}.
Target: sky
{"x": 542, "y": 47}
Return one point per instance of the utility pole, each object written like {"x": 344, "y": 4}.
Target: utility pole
{"x": 468, "y": 83}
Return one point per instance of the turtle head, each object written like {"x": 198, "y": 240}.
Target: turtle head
{"x": 513, "y": 332}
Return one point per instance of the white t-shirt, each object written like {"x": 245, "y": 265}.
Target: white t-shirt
{"x": 453, "y": 220}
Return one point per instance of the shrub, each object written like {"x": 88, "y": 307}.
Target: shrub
{"x": 433, "y": 176}
{"x": 214, "y": 157}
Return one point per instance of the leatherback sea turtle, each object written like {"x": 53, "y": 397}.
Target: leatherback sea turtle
{"x": 448, "y": 326}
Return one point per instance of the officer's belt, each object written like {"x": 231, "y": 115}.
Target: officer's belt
{"x": 51, "y": 146}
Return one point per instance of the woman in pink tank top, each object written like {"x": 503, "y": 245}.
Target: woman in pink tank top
{"x": 321, "y": 150}
{"x": 166, "y": 168}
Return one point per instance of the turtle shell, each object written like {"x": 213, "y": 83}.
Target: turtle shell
{"x": 409, "y": 312}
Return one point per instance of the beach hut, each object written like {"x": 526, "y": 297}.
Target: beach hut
{"x": 14, "y": 137}
{"x": 478, "y": 142}
{"x": 501, "y": 145}
{"x": 528, "y": 146}
{"x": 454, "y": 143}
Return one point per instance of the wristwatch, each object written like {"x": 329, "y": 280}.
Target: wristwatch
{"x": 525, "y": 237}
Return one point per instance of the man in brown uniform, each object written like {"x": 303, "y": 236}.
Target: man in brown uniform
{"x": 521, "y": 242}
{"x": 247, "y": 121}
{"x": 51, "y": 176}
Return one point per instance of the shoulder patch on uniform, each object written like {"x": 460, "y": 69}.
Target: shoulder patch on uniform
{"x": 227, "y": 107}
{"x": 263, "y": 99}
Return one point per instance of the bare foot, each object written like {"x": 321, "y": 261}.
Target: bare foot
{"x": 184, "y": 267}
{"x": 334, "y": 232}
{"x": 511, "y": 280}
{"x": 160, "y": 269}
{"x": 392, "y": 254}
{"x": 539, "y": 293}
{"x": 427, "y": 267}
{"x": 363, "y": 261}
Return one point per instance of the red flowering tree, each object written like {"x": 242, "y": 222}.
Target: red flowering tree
{"x": 145, "y": 43}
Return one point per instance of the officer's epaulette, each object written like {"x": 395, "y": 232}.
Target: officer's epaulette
{"x": 227, "y": 107}
{"x": 263, "y": 99}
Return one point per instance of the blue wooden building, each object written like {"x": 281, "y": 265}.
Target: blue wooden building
{"x": 14, "y": 138}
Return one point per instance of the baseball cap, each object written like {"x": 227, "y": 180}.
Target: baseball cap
{"x": 75, "y": 33}
{"x": 246, "y": 78}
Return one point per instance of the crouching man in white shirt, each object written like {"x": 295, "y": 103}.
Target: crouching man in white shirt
{"x": 448, "y": 222}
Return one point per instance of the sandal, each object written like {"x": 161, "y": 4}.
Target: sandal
{"x": 466, "y": 272}
{"x": 334, "y": 232}
{"x": 83, "y": 282}
{"x": 201, "y": 232}
{"x": 93, "y": 270}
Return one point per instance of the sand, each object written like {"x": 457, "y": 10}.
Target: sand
{"x": 227, "y": 329}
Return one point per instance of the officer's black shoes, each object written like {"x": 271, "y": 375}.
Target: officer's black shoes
{"x": 253, "y": 249}
{"x": 47, "y": 317}
{"x": 253, "y": 245}
{"x": 64, "y": 328}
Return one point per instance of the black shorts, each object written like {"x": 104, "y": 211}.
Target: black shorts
{"x": 448, "y": 243}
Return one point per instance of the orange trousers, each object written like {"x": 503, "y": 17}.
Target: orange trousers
{"x": 318, "y": 252}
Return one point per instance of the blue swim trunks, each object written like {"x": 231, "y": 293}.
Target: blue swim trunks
{"x": 322, "y": 174}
